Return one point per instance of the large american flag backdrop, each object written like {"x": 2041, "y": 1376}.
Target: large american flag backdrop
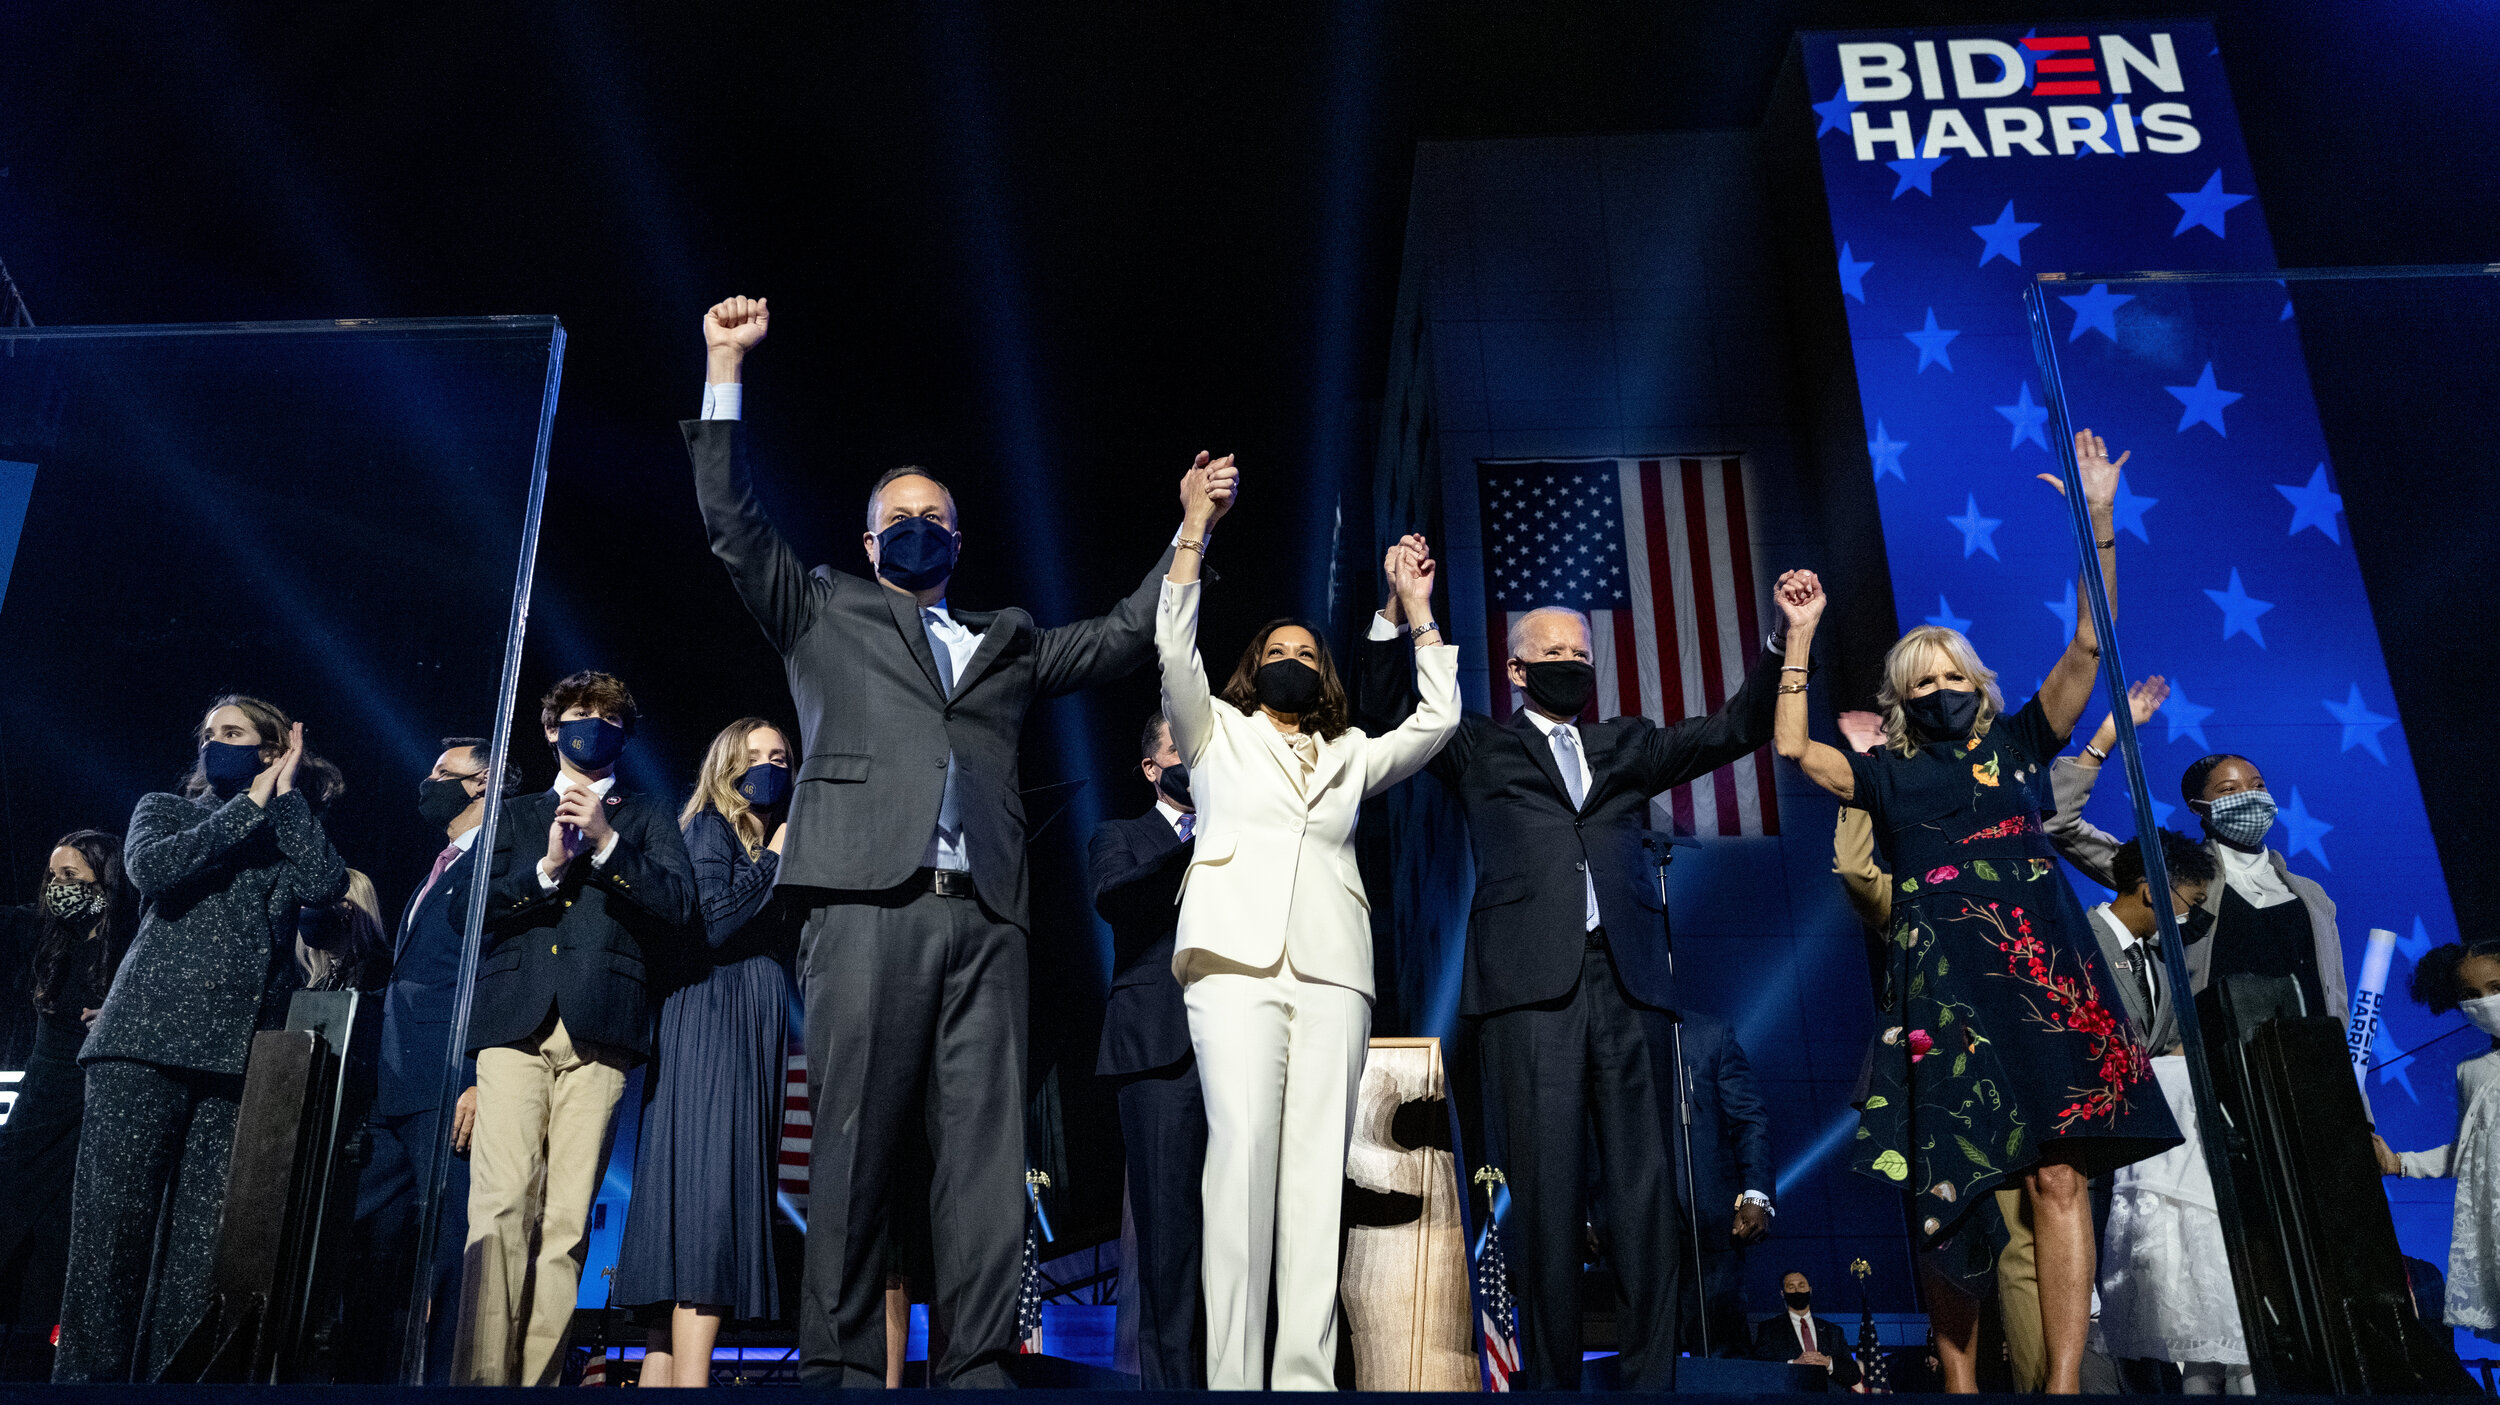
{"x": 1654, "y": 550}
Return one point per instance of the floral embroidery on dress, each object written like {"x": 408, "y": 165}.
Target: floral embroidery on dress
{"x": 1985, "y": 772}
{"x": 2062, "y": 1002}
{"x": 2005, "y": 829}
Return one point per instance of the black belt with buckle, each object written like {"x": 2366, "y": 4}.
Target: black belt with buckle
{"x": 945, "y": 882}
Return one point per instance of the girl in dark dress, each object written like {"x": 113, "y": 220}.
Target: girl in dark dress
{"x": 699, "y": 1230}
{"x": 2004, "y": 1056}
{"x": 223, "y": 868}
{"x": 77, "y": 931}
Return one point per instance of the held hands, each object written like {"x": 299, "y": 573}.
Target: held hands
{"x": 1412, "y": 572}
{"x": 1208, "y": 490}
{"x": 1801, "y": 600}
{"x": 2389, "y": 1164}
{"x": 731, "y": 329}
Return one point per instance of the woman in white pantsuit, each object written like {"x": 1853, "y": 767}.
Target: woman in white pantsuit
{"x": 1274, "y": 954}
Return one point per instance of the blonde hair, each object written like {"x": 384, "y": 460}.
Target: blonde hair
{"x": 361, "y": 911}
{"x": 716, "y": 784}
{"x": 1901, "y": 668}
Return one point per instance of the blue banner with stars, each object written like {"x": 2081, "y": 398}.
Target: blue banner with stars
{"x": 1960, "y": 163}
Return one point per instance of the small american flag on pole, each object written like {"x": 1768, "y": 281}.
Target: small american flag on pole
{"x": 1034, "y": 1288}
{"x": 1497, "y": 1317}
{"x": 1655, "y": 552}
{"x": 797, "y": 1126}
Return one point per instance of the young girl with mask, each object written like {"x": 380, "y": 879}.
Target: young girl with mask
{"x": 224, "y": 867}
{"x": 1274, "y": 951}
{"x": 698, "y": 1235}
{"x": 77, "y": 929}
{"x": 2004, "y": 1057}
{"x": 2466, "y": 977}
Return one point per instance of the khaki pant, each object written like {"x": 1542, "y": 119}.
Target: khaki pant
{"x": 542, "y": 1119}
{"x": 2018, "y": 1296}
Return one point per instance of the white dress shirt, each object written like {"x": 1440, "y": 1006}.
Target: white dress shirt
{"x": 1184, "y": 823}
{"x": 2138, "y": 950}
{"x": 954, "y": 646}
{"x": 1801, "y": 1327}
{"x": 600, "y": 788}
{"x": 2252, "y": 876}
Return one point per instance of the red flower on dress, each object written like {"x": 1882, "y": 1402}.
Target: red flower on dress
{"x": 2004, "y": 829}
{"x": 1945, "y": 874}
{"x": 1921, "y": 1043}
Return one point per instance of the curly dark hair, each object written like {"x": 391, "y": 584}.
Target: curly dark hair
{"x": 2187, "y": 860}
{"x": 72, "y": 969}
{"x": 2435, "y": 975}
{"x": 602, "y": 693}
{"x": 1327, "y": 717}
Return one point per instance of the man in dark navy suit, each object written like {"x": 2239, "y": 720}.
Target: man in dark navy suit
{"x": 408, "y": 1082}
{"x": 1730, "y": 1202}
{"x": 591, "y": 893}
{"x": 1137, "y": 865}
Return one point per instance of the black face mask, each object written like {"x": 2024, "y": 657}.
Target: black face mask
{"x": 1797, "y": 1302}
{"x": 916, "y": 553}
{"x": 1944, "y": 715}
{"x": 439, "y": 802}
{"x": 1560, "y": 686}
{"x": 1173, "y": 782}
{"x": 1287, "y": 685}
{"x": 230, "y": 766}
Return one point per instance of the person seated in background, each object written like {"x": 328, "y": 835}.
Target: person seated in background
{"x": 2262, "y": 918}
{"x": 2466, "y": 977}
{"x": 1732, "y": 1179}
{"x": 341, "y": 945}
{"x": 590, "y": 896}
{"x": 1800, "y": 1338}
{"x": 70, "y": 939}
{"x": 1136, "y": 866}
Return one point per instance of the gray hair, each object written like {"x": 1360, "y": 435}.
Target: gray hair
{"x": 1901, "y": 674}
{"x": 909, "y": 471}
{"x": 1519, "y": 626}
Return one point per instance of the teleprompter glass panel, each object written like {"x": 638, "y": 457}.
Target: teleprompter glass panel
{"x": 338, "y": 518}
{"x": 2298, "y": 613}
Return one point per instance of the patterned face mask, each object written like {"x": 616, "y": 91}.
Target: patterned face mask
{"x": 70, "y": 901}
{"x": 2240, "y": 818}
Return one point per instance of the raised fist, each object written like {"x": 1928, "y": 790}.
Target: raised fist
{"x": 736, "y": 324}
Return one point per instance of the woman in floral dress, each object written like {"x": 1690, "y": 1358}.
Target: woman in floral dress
{"x": 2004, "y": 1057}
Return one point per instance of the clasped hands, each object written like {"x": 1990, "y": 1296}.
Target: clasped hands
{"x": 581, "y": 823}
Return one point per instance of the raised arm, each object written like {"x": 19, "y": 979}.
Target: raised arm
{"x": 1801, "y": 600}
{"x": 1188, "y": 704}
{"x": 1116, "y": 644}
{"x": 172, "y": 839}
{"x": 763, "y": 568}
{"x": 1402, "y": 751}
{"x": 2069, "y": 684}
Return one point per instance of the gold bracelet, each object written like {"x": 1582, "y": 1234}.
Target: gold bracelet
{"x": 1792, "y": 687}
{"x": 1198, "y": 547}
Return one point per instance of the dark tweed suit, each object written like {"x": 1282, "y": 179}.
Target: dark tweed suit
{"x": 1567, "y": 1049}
{"x": 1137, "y": 865}
{"x": 915, "y": 1002}
{"x": 213, "y": 962}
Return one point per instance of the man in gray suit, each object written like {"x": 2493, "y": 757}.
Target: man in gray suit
{"x": 906, "y": 846}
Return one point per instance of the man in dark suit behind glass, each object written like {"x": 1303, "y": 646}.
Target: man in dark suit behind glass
{"x": 408, "y": 1083}
{"x": 906, "y": 846}
{"x": 1137, "y": 865}
{"x": 1800, "y": 1337}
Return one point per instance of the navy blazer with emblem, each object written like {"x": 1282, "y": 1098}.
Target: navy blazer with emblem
{"x": 592, "y": 950}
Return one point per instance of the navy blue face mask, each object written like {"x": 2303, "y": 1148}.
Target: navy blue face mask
{"x": 592, "y": 743}
{"x": 916, "y": 553}
{"x": 765, "y": 785}
{"x": 1945, "y": 715}
{"x": 230, "y": 766}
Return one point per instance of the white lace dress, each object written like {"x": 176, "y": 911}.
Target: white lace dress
{"x": 2474, "y": 1159}
{"x": 2165, "y": 1273}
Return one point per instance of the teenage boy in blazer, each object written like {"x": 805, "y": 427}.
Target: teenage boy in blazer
{"x": 590, "y": 898}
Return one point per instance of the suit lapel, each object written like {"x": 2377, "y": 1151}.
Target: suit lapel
{"x": 997, "y": 629}
{"x": 906, "y": 612}
{"x": 1541, "y": 751}
{"x": 2122, "y": 969}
